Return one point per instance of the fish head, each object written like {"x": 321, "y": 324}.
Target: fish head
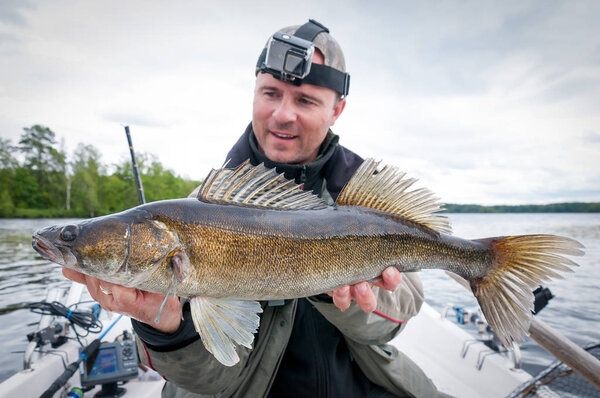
{"x": 124, "y": 248}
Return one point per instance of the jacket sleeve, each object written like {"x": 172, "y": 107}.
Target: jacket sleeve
{"x": 193, "y": 368}
{"x": 180, "y": 356}
{"x": 400, "y": 305}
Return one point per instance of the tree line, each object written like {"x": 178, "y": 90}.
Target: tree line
{"x": 567, "y": 207}
{"x": 47, "y": 182}
{"x": 39, "y": 179}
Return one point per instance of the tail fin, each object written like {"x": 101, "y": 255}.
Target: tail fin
{"x": 520, "y": 264}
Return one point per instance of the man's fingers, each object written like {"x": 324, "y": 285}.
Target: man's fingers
{"x": 101, "y": 292}
{"x": 341, "y": 297}
{"x": 124, "y": 297}
{"x": 391, "y": 278}
{"x": 364, "y": 297}
{"x": 73, "y": 275}
{"x": 143, "y": 306}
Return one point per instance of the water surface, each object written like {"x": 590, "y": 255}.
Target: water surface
{"x": 25, "y": 277}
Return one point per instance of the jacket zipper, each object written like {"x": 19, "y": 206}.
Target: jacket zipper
{"x": 302, "y": 176}
{"x": 322, "y": 366}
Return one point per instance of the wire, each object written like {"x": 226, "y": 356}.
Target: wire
{"x": 388, "y": 317}
{"x": 83, "y": 319}
{"x": 110, "y": 327}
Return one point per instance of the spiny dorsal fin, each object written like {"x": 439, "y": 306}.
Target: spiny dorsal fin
{"x": 256, "y": 186}
{"x": 388, "y": 191}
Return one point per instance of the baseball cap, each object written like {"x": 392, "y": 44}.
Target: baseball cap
{"x": 332, "y": 73}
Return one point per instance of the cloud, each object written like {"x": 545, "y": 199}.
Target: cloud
{"x": 484, "y": 101}
{"x": 9, "y": 45}
{"x": 591, "y": 137}
{"x": 11, "y": 12}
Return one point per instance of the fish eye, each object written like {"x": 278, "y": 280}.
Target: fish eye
{"x": 68, "y": 233}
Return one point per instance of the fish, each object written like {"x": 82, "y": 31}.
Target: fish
{"x": 251, "y": 235}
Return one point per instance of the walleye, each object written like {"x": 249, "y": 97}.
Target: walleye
{"x": 252, "y": 235}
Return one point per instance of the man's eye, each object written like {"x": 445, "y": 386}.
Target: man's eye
{"x": 305, "y": 101}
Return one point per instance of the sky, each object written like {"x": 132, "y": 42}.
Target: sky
{"x": 483, "y": 101}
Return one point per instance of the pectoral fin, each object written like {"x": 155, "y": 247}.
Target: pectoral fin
{"x": 181, "y": 267}
{"x": 223, "y": 323}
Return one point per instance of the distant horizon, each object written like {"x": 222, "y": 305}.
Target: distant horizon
{"x": 558, "y": 207}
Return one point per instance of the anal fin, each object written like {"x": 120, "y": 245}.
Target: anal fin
{"x": 223, "y": 323}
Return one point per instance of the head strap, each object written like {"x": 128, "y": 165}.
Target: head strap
{"x": 310, "y": 30}
{"x": 320, "y": 75}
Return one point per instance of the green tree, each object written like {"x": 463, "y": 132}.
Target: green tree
{"x": 8, "y": 164}
{"x": 117, "y": 193}
{"x": 159, "y": 183}
{"x": 26, "y": 192}
{"x": 7, "y": 160}
{"x": 46, "y": 163}
{"x": 86, "y": 181}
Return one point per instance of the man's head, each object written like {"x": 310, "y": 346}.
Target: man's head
{"x": 291, "y": 120}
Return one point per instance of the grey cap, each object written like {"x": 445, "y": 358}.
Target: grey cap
{"x": 324, "y": 42}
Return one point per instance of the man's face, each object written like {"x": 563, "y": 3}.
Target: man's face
{"x": 290, "y": 122}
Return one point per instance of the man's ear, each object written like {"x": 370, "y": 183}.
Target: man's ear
{"x": 337, "y": 110}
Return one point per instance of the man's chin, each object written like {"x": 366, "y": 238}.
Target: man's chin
{"x": 282, "y": 158}
{"x": 286, "y": 152}
{"x": 281, "y": 154}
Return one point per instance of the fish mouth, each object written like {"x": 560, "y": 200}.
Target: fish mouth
{"x": 47, "y": 250}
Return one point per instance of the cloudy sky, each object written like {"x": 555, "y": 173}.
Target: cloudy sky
{"x": 485, "y": 102}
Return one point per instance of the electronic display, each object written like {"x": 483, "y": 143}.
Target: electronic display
{"x": 106, "y": 362}
{"x": 117, "y": 361}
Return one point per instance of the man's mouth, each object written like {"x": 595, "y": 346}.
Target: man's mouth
{"x": 283, "y": 136}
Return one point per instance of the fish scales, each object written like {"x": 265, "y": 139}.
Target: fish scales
{"x": 252, "y": 235}
{"x": 268, "y": 254}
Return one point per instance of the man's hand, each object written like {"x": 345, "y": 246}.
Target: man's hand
{"x": 135, "y": 303}
{"x": 362, "y": 292}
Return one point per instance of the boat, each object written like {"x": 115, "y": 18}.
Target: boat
{"x": 43, "y": 363}
{"x": 459, "y": 362}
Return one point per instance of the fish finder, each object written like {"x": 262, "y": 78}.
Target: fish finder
{"x": 115, "y": 362}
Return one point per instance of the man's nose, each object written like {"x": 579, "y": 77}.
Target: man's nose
{"x": 284, "y": 112}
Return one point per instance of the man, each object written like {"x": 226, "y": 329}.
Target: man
{"x": 328, "y": 345}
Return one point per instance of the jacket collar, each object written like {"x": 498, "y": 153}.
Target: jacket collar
{"x": 309, "y": 175}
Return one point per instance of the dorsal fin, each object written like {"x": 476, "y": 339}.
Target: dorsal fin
{"x": 256, "y": 186}
{"x": 387, "y": 191}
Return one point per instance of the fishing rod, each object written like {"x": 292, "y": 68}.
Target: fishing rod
{"x": 88, "y": 352}
{"x": 138, "y": 183}
{"x": 136, "y": 171}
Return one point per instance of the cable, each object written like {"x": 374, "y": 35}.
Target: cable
{"x": 78, "y": 318}
{"x": 388, "y": 317}
{"x": 110, "y": 327}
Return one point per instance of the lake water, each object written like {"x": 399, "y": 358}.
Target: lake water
{"x": 575, "y": 311}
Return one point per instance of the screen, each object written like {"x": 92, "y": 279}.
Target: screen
{"x": 106, "y": 362}
{"x": 294, "y": 64}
